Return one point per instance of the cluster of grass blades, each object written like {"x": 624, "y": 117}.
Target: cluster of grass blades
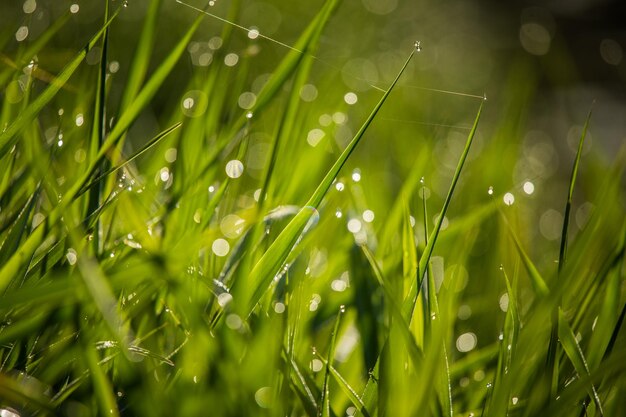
{"x": 131, "y": 284}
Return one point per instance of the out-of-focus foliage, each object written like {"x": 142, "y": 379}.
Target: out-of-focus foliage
{"x": 309, "y": 208}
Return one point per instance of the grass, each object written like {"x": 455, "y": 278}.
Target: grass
{"x": 170, "y": 245}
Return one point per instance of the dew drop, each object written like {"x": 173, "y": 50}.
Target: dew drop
{"x": 234, "y": 168}
{"x": 466, "y": 342}
{"x": 490, "y": 190}
{"x": 354, "y": 225}
{"x": 368, "y": 216}
{"x": 316, "y": 365}
{"x": 21, "y": 33}
{"x": 338, "y": 213}
{"x": 74, "y": 8}
{"x": 253, "y": 33}
{"x": 224, "y": 298}
{"x": 356, "y": 175}
{"x": 350, "y": 98}
{"x": 231, "y": 59}
{"x": 508, "y": 199}
{"x": 71, "y": 256}
{"x": 29, "y": 6}
{"x": 249, "y": 115}
{"x": 220, "y": 247}
{"x": 315, "y": 136}
{"x": 418, "y": 46}
{"x": 339, "y": 186}
{"x": 529, "y": 187}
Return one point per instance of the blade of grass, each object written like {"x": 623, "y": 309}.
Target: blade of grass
{"x": 101, "y": 384}
{"x": 272, "y": 260}
{"x": 537, "y": 281}
{"x": 409, "y": 304}
{"x": 325, "y": 400}
{"x": 153, "y": 142}
{"x": 576, "y": 356}
{"x": 347, "y": 389}
{"x": 97, "y": 137}
{"x": 570, "y": 193}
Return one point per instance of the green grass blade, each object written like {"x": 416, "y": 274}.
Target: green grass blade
{"x": 102, "y": 385}
{"x": 14, "y": 237}
{"x": 347, "y": 388}
{"x": 10, "y": 136}
{"x": 141, "y": 58}
{"x": 153, "y": 142}
{"x": 576, "y": 356}
{"x": 325, "y": 400}
{"x": 97, "y": 135}
{"x": 570, "y": 193}
{"x": 147, "y": 92}
{"x": 537, "y": 281}
{"x": 272, "y": 260}
{"x": 428, "y": 250}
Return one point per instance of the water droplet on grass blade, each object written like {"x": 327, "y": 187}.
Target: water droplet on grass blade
{"x": 21, "y": 33}
{"x": 508, "y": 199}
{"x": 354, "y": 225}
{"x": 490, "y": 190}
{"x": 220, "y": 247}
{"x": 234, "y": 168}
{"x": 253, "y": 33}
{"x": 466, "y": 342}
{"x": 529, "y": 187}
{"x": 418, "y": 46}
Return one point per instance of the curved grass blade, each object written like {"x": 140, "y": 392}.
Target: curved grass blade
{"x": 262, "y": 273}
{"x": 14, "y": 237}
{"x": 102, "y": 385}
{"x": 325, "y": 401}
{"x": 347, "y": 388}
{"x": 10, "y": 136}
{"x": 576, "y": 356}
{"x": 154, "y": 141}
{"x": 570, "y": 193}
{"x": 146, "y": 93}
{"x": 538, "y": 283}
{"x": 20, "y": 393}
{"x": 409, "y": 303}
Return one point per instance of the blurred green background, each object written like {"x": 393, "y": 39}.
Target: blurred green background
{"x": 541, "y": 66}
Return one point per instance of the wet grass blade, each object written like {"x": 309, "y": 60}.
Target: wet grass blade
{"x": 347, "y": 388}
{"x": 10, "y": 136}
{"x": 570, "y": 193}
{"x": 576, "y": 356}
{"x": 147, "y": 92}
{"x": 273, "y": 259}
{"x": 101, "y": 384}
{"x": 153, "y": 142}
{"x": 537, "y": 281}
{"x": 325, "y": 400}
{"x": 428, "y": 250}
